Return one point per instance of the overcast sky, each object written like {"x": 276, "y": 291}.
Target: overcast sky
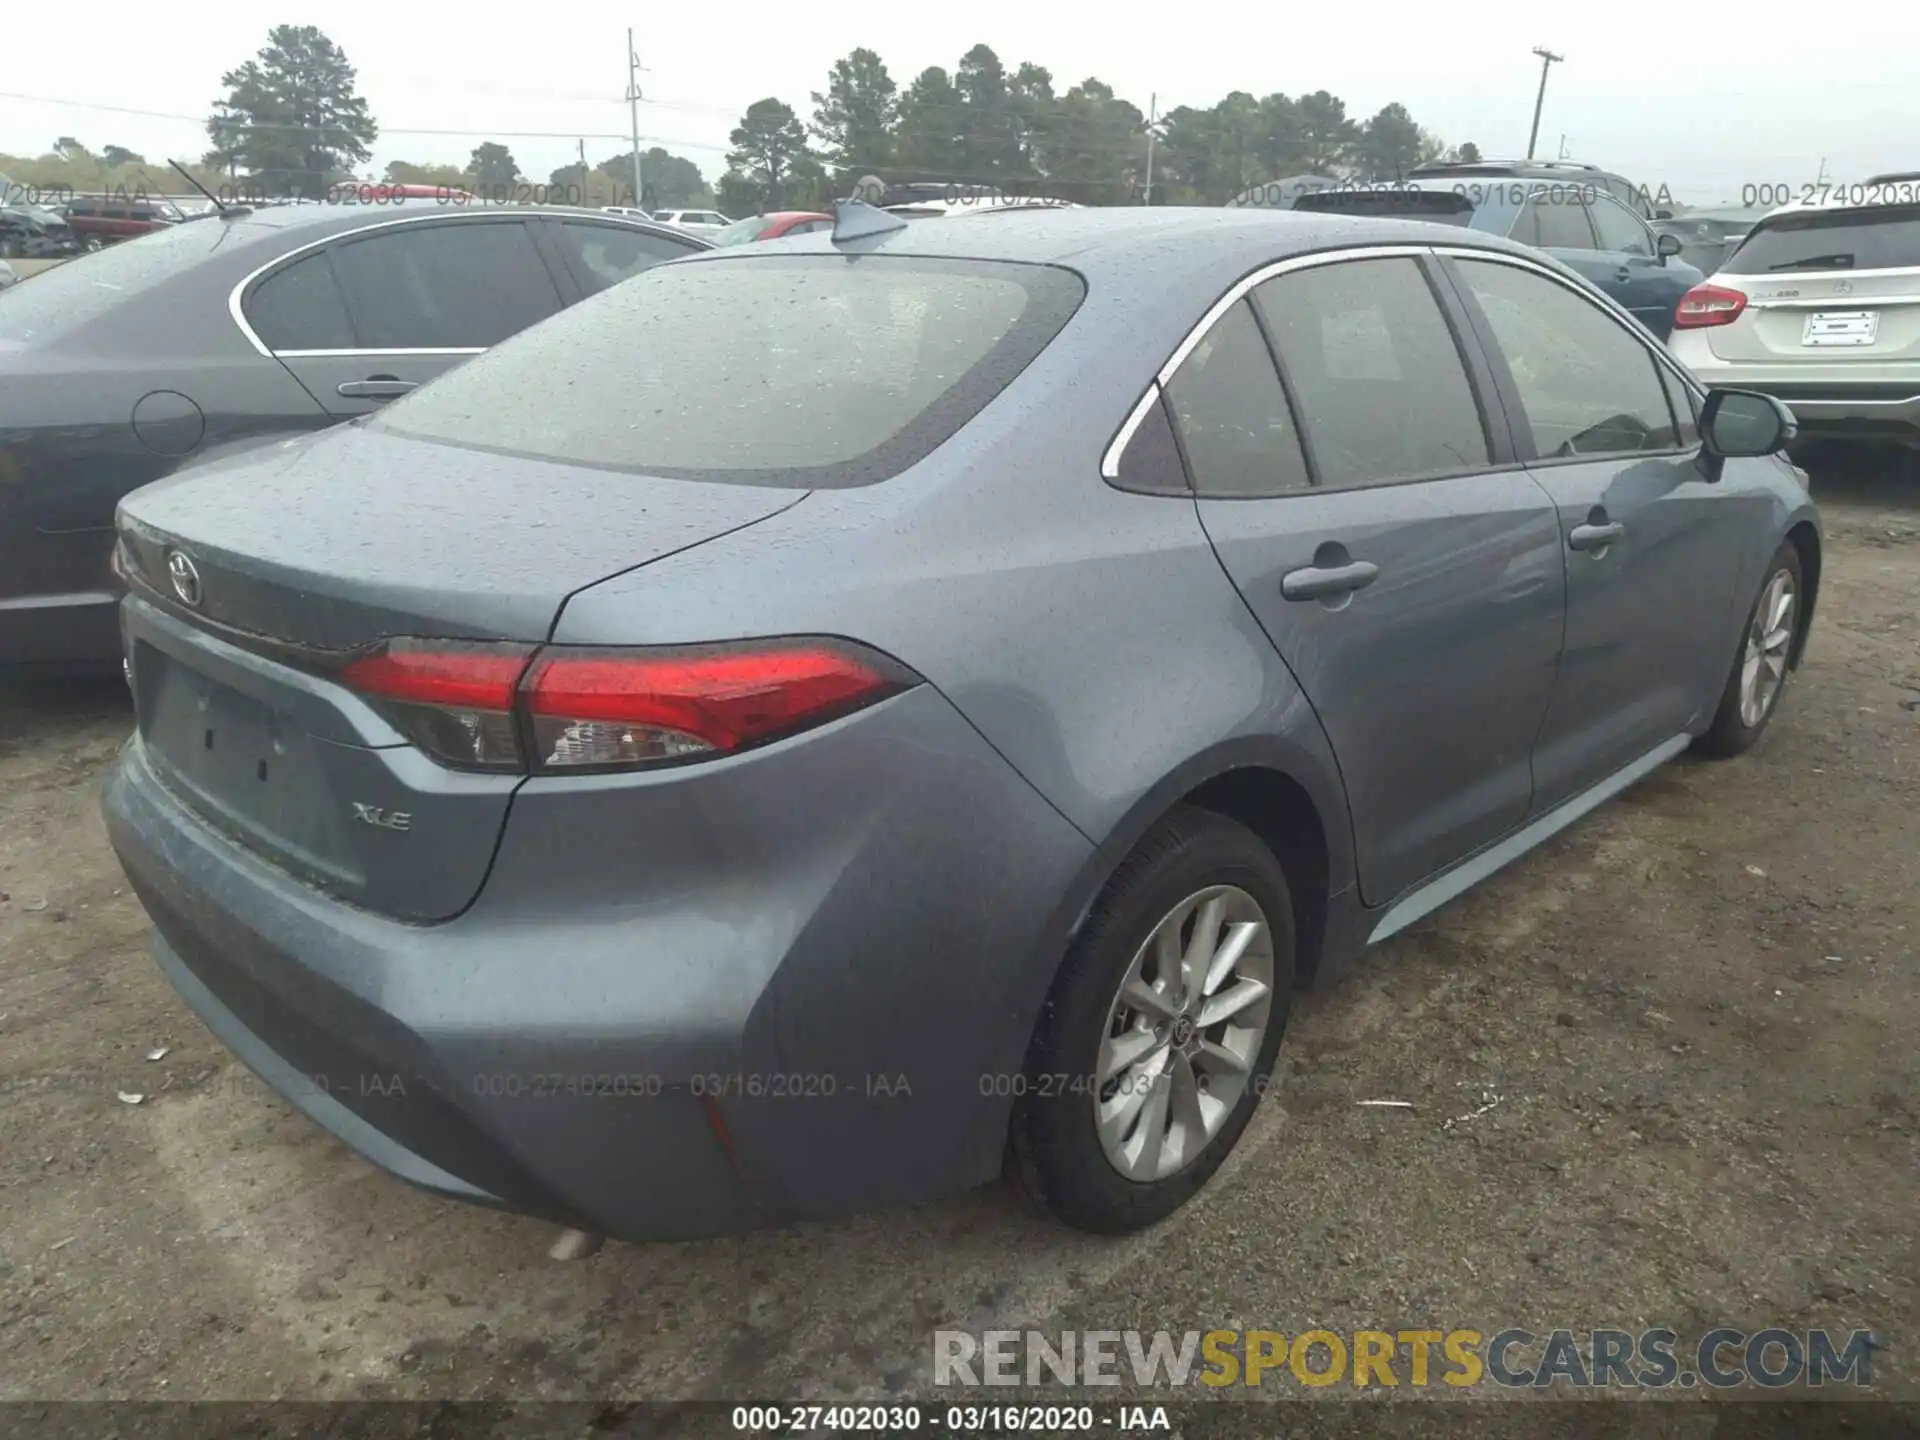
{"x": 1666, "y": 94}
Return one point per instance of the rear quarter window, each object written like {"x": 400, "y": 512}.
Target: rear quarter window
{"x": 792, "y": 370}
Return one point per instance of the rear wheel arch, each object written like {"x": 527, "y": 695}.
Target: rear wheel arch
{"x": 1277, "y": 808}
{"x": 1268, "y": 797}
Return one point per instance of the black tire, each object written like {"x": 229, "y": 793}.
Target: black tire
{"x": 1730, "y": 734}
{"x": 1054, "y": 1151}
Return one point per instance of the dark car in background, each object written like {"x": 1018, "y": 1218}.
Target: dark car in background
{"x": 102, "y": 219}
{"x": 1708, "y": 237}
{"x": 31, "y": 230}
{"x": 119, "y": 367}
{"x": 1575, "y": 219}
{"x": 1636, "y": 198}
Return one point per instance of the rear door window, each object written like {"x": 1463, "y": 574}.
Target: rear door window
{"x": 603, "y": 255}
{"x": 1882, "y": 237}
{"x": 447, "y": 286}
{"x": 1381, "y": 389}
{"x": 300, "y": 308}
{"x": 1236, "y": 430}
{"x": 791, "y": 370}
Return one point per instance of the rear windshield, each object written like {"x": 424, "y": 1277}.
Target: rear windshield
{"x": 1886, "y": 237}
{"x": 1478, "y": 205}
{"x": 62, "y": 299}
{"x": 799, "y": 370}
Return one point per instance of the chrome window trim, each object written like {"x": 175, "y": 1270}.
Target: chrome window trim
{"x": 237, "y": 312}
{"x": 1238, "y": 291}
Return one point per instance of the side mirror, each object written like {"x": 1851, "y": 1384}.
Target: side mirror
{"x": 1667, "y": 246}
{"x": 1735, "y": 423}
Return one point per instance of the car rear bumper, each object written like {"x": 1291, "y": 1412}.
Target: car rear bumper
{"x": 1825, "y": 399}
{"x": 680, "y": 1006}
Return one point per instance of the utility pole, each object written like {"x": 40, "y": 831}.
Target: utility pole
{"x": 1547, "y": 60}
{"x": 633, "y": 112}
{"x": 1153, "y": 120}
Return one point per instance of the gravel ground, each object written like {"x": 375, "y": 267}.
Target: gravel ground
{"x": 1696, "y": 1009}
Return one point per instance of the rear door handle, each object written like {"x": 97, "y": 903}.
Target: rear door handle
{"x": 1594, "y": 537}
{"x": 378, "y": 387}
{"x": 1316, "y": 582}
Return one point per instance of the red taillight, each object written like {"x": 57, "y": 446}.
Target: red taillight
{"x": 595, "y": 708}
{"x": 471, "y": 705}
{"x": 453, "y": 700}
{"x": 1706, "y": 305}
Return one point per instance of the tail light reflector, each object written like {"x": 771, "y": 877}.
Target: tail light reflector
{"x": 576, "y": 708}
{"x": 1708, "y": 305}
{"x": 593, "y": 708}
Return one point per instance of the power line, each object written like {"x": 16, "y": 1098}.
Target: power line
{"x": 385, "y": 130}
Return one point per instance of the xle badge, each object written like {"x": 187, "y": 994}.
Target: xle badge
{"x": 385, "y": 819}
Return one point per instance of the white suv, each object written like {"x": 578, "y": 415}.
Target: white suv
{"x": 1820, "y": 307}
{"x": 701, "y": 222}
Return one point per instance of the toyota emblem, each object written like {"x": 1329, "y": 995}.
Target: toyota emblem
{"x": 185, "y": 577}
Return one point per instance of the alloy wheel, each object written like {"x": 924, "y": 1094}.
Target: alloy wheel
{"x": 1183, "y": 1033}
{"x": 1763, "y": 661}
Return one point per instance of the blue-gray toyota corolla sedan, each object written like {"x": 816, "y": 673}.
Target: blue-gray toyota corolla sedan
{"x": 829, "y": 722}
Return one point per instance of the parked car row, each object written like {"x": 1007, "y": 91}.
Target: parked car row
{"x": 1573, "y": 213}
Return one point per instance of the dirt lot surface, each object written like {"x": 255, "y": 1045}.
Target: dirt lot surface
{"x": 1687, "y": 1028}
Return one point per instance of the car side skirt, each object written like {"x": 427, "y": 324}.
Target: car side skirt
{"x": 1456, "y": 881}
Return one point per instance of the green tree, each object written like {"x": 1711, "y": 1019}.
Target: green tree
{"x": 1282, "y": 148}
{"x": 738, "y": 196}
{"x": 1184, "y": 160}
{"x": 1036, "y": 112}
{"x": 1094, "y": 145}
{"x": 676, "y": 182}
{"x": 1327, "y": 136}
{"x": 1468, "y": 153}
{"x": 927, "y": 134}
{"x": 118, "y": 155}
{"x": 769, "y": 149}
{"x": 853, "y": 120}
{"x": 402, "y": 172}
{"x": 493, "y": 168}
{"x": 1390, "y": 144}
{"x": 292, "y": 117}
{"x": 989, "y": 140}
{"x": 70, "y": 149}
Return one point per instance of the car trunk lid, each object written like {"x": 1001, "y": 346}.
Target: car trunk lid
{"x": 254, "y": 581}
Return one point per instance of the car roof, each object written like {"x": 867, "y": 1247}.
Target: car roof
{"x": 1531, "y": 169}
{"x": 1881, "y": 191}
{"x": 1162, "y": 248}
